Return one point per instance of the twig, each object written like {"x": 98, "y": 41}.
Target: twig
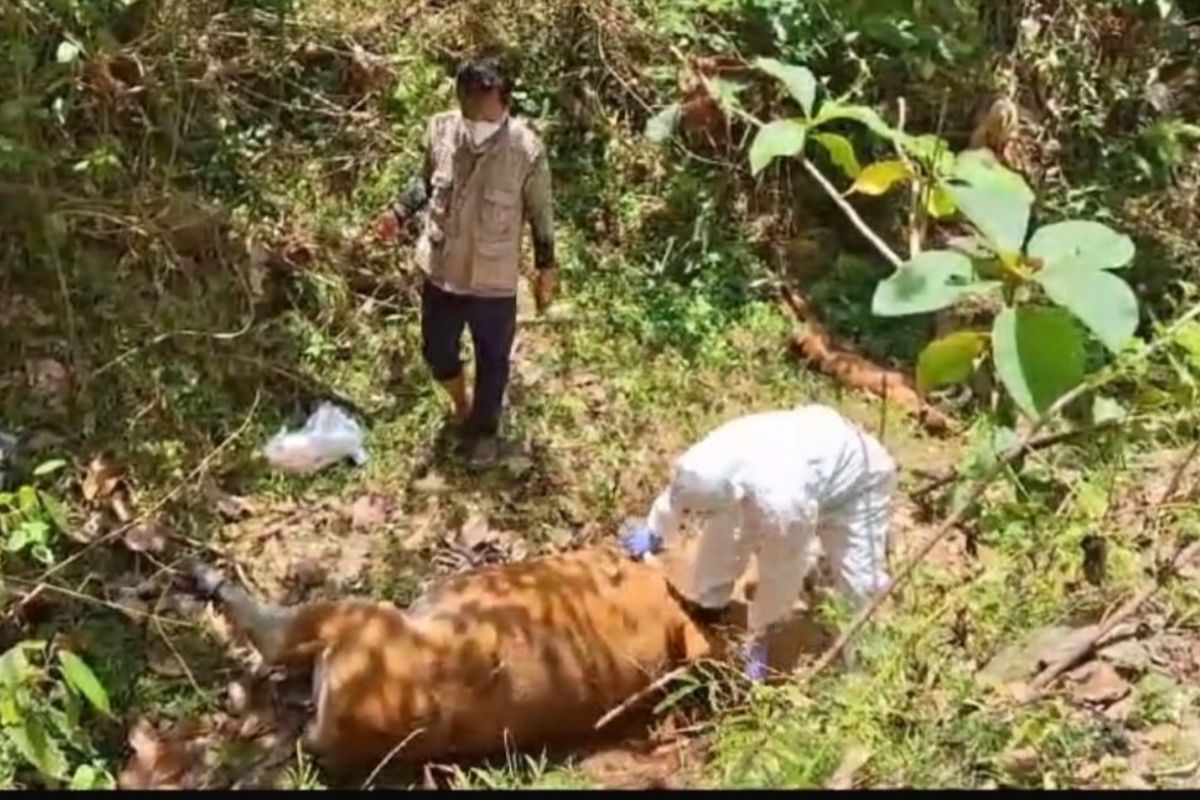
{"x": 387, "y": 759}
{"x": 189, "y": 482}
{"x": 223, "y": 336}
{"x": 847, "y": 209}
{"x": 179, "y": 658}
{"x": 940, "y": 480}
{"x": 29, "y": 597}
{"x": 1038, "y": 443}
{"x": 1182, "y": 557}
{"x": 638, "y": 697}
{"x": 1047, "y": 676}
{"x": 87, "y": 598}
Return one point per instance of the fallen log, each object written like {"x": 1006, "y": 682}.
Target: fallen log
{"x": 853, "y": 371}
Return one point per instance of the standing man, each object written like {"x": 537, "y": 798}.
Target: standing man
{"x": 485, "y": 175}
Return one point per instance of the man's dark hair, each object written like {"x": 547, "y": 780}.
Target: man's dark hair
{"x": 483, "y": 75}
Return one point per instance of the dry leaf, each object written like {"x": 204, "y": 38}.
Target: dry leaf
{"x": 855, "y": 759}
{"x": 120, "y": 507}
{"x": 146, "y": 537}
{"x": 89, "y": 531}
{"x": 102, "y": 478}
{"x": 165, "y": 664}
{"x": 161, "y": 760}
{"x": 368, "y": 511}
{"x": 48, "y": 379}
{"x": 1097, "y": 683}
{"x": 229, "y": 506}
{"x": 433, "y": 483}
{"x": 131, "y": 605}
{"x": 237, "y": 697}
{"x": 475, "y": 532}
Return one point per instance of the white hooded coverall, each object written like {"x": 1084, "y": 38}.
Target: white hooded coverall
{"x": 782, "y": 485}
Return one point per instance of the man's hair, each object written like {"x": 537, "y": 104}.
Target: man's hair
{"x": 483, "y": 75}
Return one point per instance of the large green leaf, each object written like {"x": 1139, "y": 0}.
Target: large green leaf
{"x": 32, "y": 742}
{"x": 1081, "y": 245}
{"x": 1102, "y": 301}
{"x": 841, "y": 152}
{"x": 864, "y": 115}
{"x": 1038, "y": 354}
{"x": 800, "y": 82}
{"x": 661, "y": 126}
{"x": 779, "y": 139}
{"x": 80, "y": 677}
{"x": 996, "y": 200}
{"x": 931, "y": 281}
{"x": 949, "y": 360}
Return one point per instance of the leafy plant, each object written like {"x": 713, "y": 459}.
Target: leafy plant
{"x": 42, "y": 701}
{"x": 29, "y": 517}
{"x": 1048, "y": 282}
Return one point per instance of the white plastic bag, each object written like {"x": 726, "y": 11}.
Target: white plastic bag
{"x": 328, "y": 436}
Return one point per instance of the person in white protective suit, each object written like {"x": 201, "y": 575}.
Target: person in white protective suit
{"x": 780, "y": 485}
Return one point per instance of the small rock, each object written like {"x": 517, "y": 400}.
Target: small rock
{"x": 1097, "y": 683}
{"x": 432, "y": 483}
{"x": 306, "y": 573}
{"x": 1171, "y": 650}
{"x": 1129, "y": 656}
{"x": 368, "y": 511}
{"x": 146, "y": 537}
{"x": 1037, "y": 649}
{"x": 1022, "y": 762}
{"x": 1120, "y": 711}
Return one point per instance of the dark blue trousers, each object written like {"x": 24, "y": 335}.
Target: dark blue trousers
{"x": 493, "y": 324}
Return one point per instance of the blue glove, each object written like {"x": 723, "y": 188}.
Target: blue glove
{"x": 755, "y": 657}
{"x": 640, "y": 541}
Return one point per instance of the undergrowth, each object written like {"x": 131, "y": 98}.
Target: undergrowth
{"x": 185, "y": 188}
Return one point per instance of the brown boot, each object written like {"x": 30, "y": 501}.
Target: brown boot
{"x": 456, "y": 388}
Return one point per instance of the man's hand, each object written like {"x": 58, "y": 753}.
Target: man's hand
{"x": 640, "y": 542}
{"x": 754, "y": 657}
{"x": 387, "y": 227}
{"x": 544, "y": 283}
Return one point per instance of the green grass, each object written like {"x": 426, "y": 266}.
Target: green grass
{"x": 667, "y": 327}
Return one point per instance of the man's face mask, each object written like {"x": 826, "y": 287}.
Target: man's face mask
{"x": 480, "y": 130}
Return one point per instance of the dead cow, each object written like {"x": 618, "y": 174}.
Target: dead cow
{"x": 523, "y": 655}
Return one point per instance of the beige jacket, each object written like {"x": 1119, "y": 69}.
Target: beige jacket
{"x": 479, "y": 199}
